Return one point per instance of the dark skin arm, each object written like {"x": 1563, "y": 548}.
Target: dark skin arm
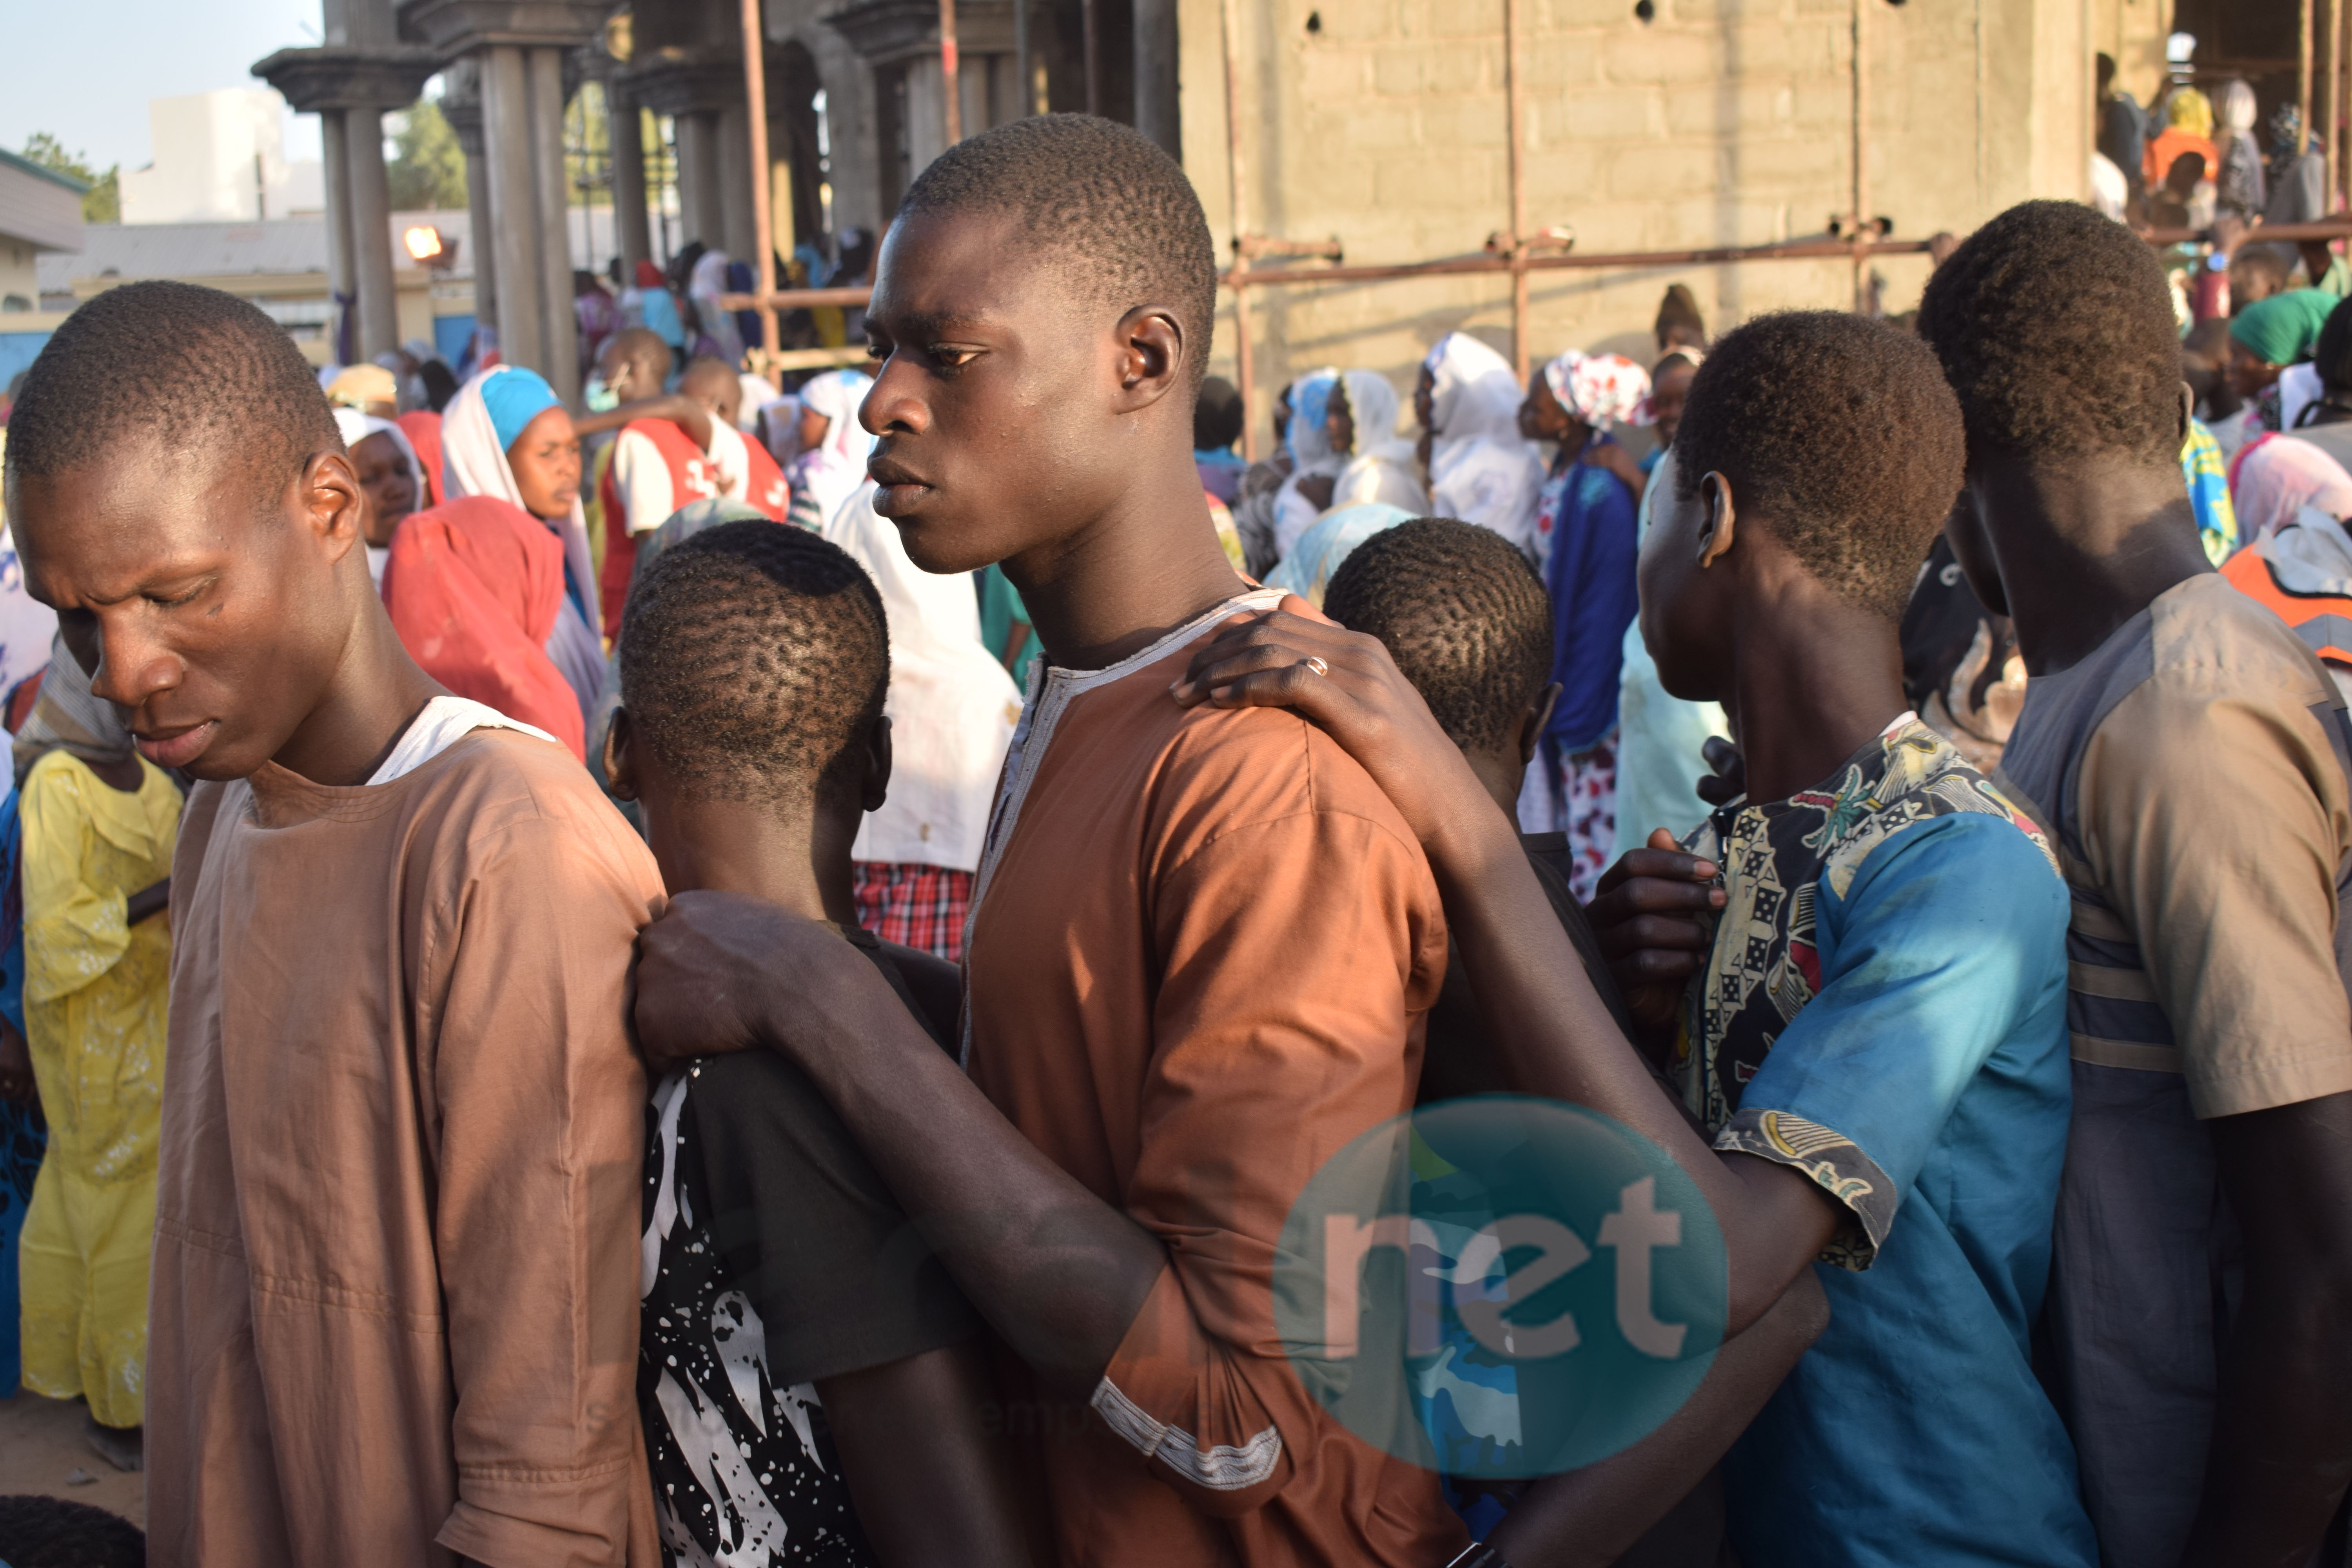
{"x": 1057, "y": 1272}
{"x": 677, "y": 408}
{"x": 932, "y": 1484}
{"x": 1553, "y": 1036}
{"x": 17, "y": 1086}
{"x": 148, "y": 902}
{"x": 2282, "y": 1451}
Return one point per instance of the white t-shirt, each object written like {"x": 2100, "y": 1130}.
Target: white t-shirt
{"x": 642, "y": 475}
{"x": 442, "y": 723}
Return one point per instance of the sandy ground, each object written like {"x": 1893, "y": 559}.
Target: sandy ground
{"x": 41, "y": 1445}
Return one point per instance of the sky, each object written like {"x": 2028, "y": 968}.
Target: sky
{"x": 84, "y": 69}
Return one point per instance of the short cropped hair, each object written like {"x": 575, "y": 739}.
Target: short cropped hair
{"x": 1463, "y": 614}
{"x": 2054, "y": 325}
{"x": 1102, "y": 196}
{"x": 754, "y": 659}
{"x": 1217, "y": 416}
{"x": 1840, "y": 429}
{"x": 2260, "y": 260}
{"x": 202, "y": 374}
{"x": 51, "y": 1532}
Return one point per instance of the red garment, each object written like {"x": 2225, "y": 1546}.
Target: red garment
{"x": 423, "y": 430}
{"x": 766, "y": 487}
{"x": 649, "y": 276}
{"x": 914, "y": 905}
{"x": 693, "y": 476}
{"x": 474, "y": 587}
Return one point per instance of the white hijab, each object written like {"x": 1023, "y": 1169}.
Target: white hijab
{"x": 1481, "y": 469}
{"x": 473, "y": 464}
{"x": 1381, "y": 471}
{"x": 828, "y": 471}
{"x": 357, "y": 428}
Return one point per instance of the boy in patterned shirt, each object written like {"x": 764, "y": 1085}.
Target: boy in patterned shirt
{"x": 811, "y": 1386}
{"x": 1866, "y": 1010}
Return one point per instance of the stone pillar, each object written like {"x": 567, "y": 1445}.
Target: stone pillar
{"x": 1155, "y": 75}
{"x": 697, "y": 177}
{"x": 737, "y": 217}
{"x": 561, "y": 364}
{"x": 514, "y": 204}
{"x": 631, "y": 227}
{"x": 340, "y": 281}
{"x": 461, "y": 105}
{"x": 369, "y": 205}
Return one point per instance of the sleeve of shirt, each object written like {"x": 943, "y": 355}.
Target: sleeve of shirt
{"x": 728, "y": 461}
{"x": 539, "y": 1149}
{"x": 1949, "y": 940}
{"x": 1288, "y": 1022}
{"x": 2214, "y": 823}
{"x": 641, "y": 474}
{"x": 842, "y": 1278}
{"x": 73, "y": 932}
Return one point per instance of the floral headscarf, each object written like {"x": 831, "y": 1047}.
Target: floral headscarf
{"x": 1601, "y": 390}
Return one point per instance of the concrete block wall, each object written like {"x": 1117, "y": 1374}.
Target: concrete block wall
{"x": 1717, "y": 122}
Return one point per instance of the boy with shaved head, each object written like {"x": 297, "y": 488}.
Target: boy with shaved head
{"x": 1170, "y": 1023}
{"x": 394, "y": 1294}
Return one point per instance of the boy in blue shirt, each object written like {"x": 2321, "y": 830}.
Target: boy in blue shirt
{"x": 1860, "y": 973}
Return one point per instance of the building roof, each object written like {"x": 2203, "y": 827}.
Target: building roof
{"x": 11, "y": 161}
{"x": 189, "y": 251}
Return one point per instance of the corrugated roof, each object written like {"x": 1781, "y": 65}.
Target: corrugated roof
{"x": 189, "y": 251}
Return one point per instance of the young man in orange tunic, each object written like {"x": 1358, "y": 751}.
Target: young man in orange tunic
{"x": 1204, "y": 942}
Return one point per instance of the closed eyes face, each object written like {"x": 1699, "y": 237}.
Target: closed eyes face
{"x": 217, "y": 617}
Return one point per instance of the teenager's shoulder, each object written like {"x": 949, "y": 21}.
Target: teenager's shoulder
{"x": 495, "y": 784}
{"x": 1917, "y": 780}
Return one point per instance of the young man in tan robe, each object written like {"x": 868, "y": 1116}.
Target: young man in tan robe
{"x": 395, "y": 1288}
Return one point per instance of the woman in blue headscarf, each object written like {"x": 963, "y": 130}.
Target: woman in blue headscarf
{"x": 505, "y": 436}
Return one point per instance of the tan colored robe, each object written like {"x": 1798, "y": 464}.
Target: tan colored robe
{"x": 394, "y": 1311}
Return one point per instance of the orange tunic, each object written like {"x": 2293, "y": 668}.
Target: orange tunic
{"x": 395, "y": 1301}
{"x": 1201, "y": 952}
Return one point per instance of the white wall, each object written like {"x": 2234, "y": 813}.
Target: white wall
{"x": 205, "y": 148}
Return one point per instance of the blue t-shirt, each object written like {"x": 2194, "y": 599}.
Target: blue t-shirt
{"x": 1884, "y": 1008}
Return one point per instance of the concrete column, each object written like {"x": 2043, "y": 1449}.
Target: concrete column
{"x": 370, "y": 206}
{"x": 1155, "y": 75}
{"x": 481, "y": 229}
{"x": 735, "y": 212}
{"x": 561, "y": 365}
{"x": 699, "y": 208}
{"x": 630, "y": 221}
{"x": 340, "y": 282}
{"x": 514, "y": 204}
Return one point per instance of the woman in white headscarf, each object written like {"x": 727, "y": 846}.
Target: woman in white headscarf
{"x": 389, "y": 473}
{"x": 1481, "y": 469}
{"x": 833, "y": 447}
{"x": 1343, "y": 428}
{"x": 507, "y": 436}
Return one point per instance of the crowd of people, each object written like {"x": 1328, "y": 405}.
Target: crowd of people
{"x": 750, "y": 974}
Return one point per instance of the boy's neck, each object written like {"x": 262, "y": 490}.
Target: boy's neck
{"x": 2084, "y": 546}
{"x": 376, "y": 692}
{"x": 1817, "y": 677}
{"x": 785, "y": 855}
{"x": 1145, "y": 565}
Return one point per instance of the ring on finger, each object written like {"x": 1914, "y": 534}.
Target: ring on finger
{"x": 1315, "y": 664}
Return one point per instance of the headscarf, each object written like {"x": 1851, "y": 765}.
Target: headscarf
{"x": 1472, "y": 393}
{"x": 1381, "y": 468}
{"x": 475, "y": 589}
{"x": 422, "y": 428}
{"x": 357, "y": 428}
{"x": 2284, "y": 328}
{"x": 474, "y": 463}
{"x": 361, "y": 385}
{"x": 514, "y": 400}
{"x": 70, "y": 717}
{"x": 1317, "y": 556}
{"x": 704, "y": 284}
{"x": 2190, "y": 110}
{"x": 1601, "y": 390}
{"x": 829, "y": 471}
{"x": 2281, "y": 476}
{"x": 1309, "y": 435}
{"x": 649, "y": 276}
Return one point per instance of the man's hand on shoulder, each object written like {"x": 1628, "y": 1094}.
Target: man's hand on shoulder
{"x": 716, "y": 970}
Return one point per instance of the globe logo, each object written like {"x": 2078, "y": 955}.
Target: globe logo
{"x": 1501, "y": 1286}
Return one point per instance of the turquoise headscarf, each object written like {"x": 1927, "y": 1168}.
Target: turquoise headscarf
{"x": 515, "y": 397}
{"x": 2284, "y": 328}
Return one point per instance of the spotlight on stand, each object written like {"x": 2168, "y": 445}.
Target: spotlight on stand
{"x": 429, "y": 247}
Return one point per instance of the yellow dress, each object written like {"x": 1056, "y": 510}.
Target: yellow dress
{"x": 96, "y": 994}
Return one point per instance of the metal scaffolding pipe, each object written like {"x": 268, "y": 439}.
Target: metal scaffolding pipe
{"x": 1519, "y": 252}
{"x": 1091, "y": 34}
{"x": 755, "y": 100}
{"x": 1862, "y": 227}
{"x": 2303, "y": 76}
{"x": 1241, "y": 219}
{"x": 2335, "y": 96}
{"x": 948, "y": 63}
